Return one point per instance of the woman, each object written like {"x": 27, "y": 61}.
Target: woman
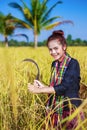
{"x": 64, "y": 82}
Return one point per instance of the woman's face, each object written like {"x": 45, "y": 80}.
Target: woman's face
{"x": 56, "y": 49}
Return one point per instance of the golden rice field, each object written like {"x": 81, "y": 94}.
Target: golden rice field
{"x": 20, "y": 109}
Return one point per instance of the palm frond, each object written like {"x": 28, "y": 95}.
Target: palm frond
{"x": 24, "y": 4}
{"x": 9, "y": 17}
{"x": 48, "y": 27}
{"x": 50, "y": 20}
{"x": 66, "y": 21}
{"x": 24, "y": 25}
{"x": 27, "y": 14}
{"x": 20, "y": 23}
{"x": 57, "y": 24}
{"x": 24, "y": 35}
{"x": 42, "y": 8}
{"x": 15, "y": 5}
{"x": 51, "y": 9}
{"x": 26, "y": 10}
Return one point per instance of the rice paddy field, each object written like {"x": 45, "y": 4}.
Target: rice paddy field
{"x": 22, "y": 110}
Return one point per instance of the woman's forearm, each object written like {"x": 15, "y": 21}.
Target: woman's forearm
{"x": 37, "y": 89}
{"x": 46, "y": 90}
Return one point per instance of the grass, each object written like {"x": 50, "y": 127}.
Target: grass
{"x": 20, "y": 109}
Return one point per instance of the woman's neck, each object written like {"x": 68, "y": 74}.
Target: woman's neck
{"x": 61, "y": 59}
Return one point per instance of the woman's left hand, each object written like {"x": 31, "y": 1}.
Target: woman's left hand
{"x": 33, "y": 89}
{"x": 38, "y": 83}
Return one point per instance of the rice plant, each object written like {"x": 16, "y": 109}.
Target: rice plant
{"x": 22, "y": 110}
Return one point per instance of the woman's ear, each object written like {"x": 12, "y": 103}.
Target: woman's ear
{"x": 64, "y": 47}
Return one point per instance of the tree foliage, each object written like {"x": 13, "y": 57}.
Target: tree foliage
{"x": 6, "y": 26}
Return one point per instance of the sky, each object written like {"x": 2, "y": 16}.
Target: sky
{"x": 74, "y": 10}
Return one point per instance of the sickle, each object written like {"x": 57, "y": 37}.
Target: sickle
{"x": 38, "y": 70}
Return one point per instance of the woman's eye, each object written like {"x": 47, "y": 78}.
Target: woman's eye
{"x": 56, "y": 48}
{"x": 50, "y": 49}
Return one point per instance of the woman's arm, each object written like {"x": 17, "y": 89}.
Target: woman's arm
{"x": 37, "y": 89}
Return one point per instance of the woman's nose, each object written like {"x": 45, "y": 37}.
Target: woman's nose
{"x": 53, "y": 51}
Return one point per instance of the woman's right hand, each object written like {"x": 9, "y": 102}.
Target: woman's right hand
{"x": 38, "y": 83}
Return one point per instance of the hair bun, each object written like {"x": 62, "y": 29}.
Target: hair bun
{"x": 58, "y": 32}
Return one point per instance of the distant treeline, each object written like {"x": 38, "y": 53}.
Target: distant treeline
{"x": 70, "y": 42}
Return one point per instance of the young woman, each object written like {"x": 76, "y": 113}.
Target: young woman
{"x": 64, "y": 82}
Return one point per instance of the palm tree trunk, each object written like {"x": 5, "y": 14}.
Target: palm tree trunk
{"x": 35, "y": 40}
{"x": 6, "y": 41}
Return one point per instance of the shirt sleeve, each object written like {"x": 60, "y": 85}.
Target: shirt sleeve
{"x": 70, "y": 80}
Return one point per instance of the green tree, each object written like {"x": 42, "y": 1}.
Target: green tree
{"x": 36, "y": 16}
{"x": 84, "y": 42}
{"x": 78, "y": 41}
{"x": 69, "y": 40}
{"x": 6, "y": 26}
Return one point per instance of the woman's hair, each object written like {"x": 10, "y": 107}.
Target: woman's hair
{"x": 57, "y": 35}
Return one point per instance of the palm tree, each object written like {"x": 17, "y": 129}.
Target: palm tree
{"x": 36, "y": 16}
{"x": 6, "y": 26}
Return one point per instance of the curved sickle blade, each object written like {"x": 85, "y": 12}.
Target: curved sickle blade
{"x": 38, "y": 70}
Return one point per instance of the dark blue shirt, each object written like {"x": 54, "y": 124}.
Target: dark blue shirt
{"x": 70, "y": 84}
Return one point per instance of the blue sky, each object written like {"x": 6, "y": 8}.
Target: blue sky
{"x": 74, "y": 10}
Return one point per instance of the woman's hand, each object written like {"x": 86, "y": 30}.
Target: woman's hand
{"x": 36, "y": 87}
{"x": 38, "y": 83}
{"x": 40, "y": 88}
{"x": 33, "y": 88}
